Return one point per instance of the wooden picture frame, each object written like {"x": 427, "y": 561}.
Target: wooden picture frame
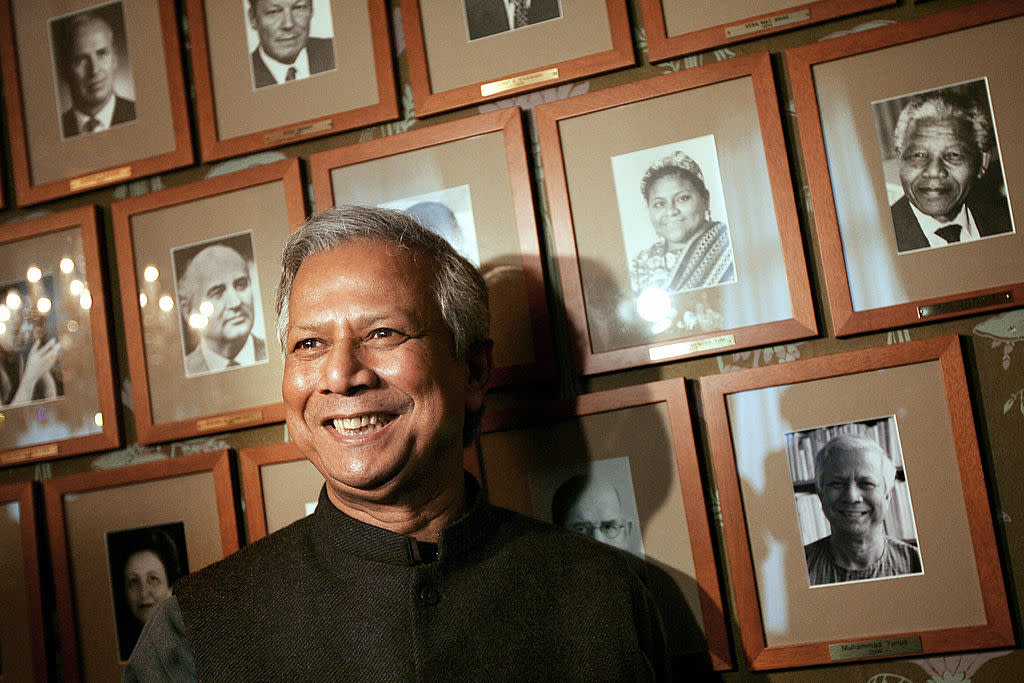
{"x": 148, "y": 131}
{"x": 639, "y": 440}
{"x": 876, "y": 275}
{"x": 242, "y": 109}
{"x": 448, "y": 69}
{"x": 245, "y": 217}
{"x": 22, "y": 632}
{"x": 181, "y": 500}
{"x": 441, "y": 173}
{"x": 627, "y": 305}
{"x": 673, "y": 29}
{"x": 54, "y": 317}
{"x": 791, "y": 613}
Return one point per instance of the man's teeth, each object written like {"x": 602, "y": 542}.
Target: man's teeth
{"x": 363, "y": 423}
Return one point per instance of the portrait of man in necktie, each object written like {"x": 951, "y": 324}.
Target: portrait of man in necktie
{"x": 488, "y": 17}
{"x": 219, "y": 305}
{"x": 94, "y": 76}
{"x": 942, "y": 145}
{"x": 281, "y": 41}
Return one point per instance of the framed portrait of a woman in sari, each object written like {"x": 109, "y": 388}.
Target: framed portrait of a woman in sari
{"x": 676, "y": 233}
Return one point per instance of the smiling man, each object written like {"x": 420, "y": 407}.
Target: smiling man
{"x": 404, "y": 572}
{"x": 88, "y": 67}
{"x": 944, "y": 145}
{"x": 854, "y": 478}
{"x": 286, "y": 51}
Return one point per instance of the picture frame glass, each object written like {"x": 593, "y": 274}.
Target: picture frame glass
{"x": 857, "y": 96}
{"x": 177, "y": 253}
{"x": 15, "y": 636}
{"x": 48, "y": 384}
{"x": 597, "y": 168}
{"x": 526, "y": 467}
{"x": 792, "y": 610}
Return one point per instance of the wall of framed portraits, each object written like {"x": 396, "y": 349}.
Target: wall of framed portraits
{"x": 715, "y": 242}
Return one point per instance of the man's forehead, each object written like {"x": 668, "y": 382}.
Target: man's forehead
{"x": 939, "y": 127}
{"x": 90, "y": 28}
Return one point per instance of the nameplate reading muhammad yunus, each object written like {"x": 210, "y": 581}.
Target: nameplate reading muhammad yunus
{"x": 886, "y": 647}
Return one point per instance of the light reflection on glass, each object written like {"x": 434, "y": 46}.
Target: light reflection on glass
{"x": 5, "y": 313}
{"x": 99, "y": 419}
{"x": 67, "y": 265}
{"x": 151, "y": 274}
{"x": 33, "y": 274}
{"x": 655, "y": 306}
{"x": 166, "y": 303}
{"x": 13, "y": 300}
{"x": 206, "y": 308}
{"x": 3, "y": 328}
{"x": 198, "y": 321}
{"x": 76, "y": 287}
{"x": 85, "y": 301}
{"x": 43, "y": 304}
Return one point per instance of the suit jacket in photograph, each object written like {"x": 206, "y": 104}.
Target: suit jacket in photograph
{"x": 124, "y": 111}
{"x": 321, "y": 58}
{"x": 991, "y": 218}
{"x": 195, "y": 361}
{"x": 487, "y": 17}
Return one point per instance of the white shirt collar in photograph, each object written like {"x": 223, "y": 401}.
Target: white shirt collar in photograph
{"x": 104, "y": 116}
{"x": 510, "y": 11}
{"x": 279, "y": 70}
{"x": 215, "y": 361}
{"x": 968, "y": 230}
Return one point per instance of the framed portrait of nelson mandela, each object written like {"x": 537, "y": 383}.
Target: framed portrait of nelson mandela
{"x": 913, "y": 171}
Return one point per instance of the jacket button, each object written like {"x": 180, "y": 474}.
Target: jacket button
{"x": 429, "y": 596}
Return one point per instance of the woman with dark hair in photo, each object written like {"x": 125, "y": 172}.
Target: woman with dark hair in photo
{"x": 147, "y": 565}
{"x": 693, "y": 251}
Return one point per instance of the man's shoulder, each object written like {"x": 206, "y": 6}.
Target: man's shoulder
{"x": 195, "y": 362}
{"x": 321, "y": 54}
{"x": 991, "y": 214}
{"x": 259, "y": 347}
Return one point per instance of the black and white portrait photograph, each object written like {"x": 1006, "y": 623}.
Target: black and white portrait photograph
{"x": 853, "y": 502}
{"x": 672, "y": 211}
{"x": 93, "y": 73}
{"x": 219, "y": 305}
{"x": 449, "y": 213}
{"x": 289, "y": 40}
{"x": 595, "y": 499}
{"x": 144, "y": 564}
{"x": 490, "y": 17}
{"x": 942, "y": 167}
{"x": 30, "y": 352}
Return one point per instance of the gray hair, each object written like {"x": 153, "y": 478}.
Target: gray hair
{"x": 458, "y": 287}
{"x": 944, "y": 106}
{"x": 851, "y": 443}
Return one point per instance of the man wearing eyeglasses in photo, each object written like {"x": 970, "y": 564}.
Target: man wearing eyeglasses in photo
{"x": 593, "y": 508}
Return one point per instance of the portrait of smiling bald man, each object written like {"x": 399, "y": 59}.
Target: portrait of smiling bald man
{"x": 405, "y": 571}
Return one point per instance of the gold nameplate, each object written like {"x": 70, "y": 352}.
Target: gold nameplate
{"x": 321, "y": 126}
{"x": 967, "y": 304}
{"x": 229, "y": 421}
{"x": 102, "y": 178}
{"x": 768, "y": 23}
{"x": 495, "y": 87}
{"x": 686, "y": 348}
{"x": 887, "y": 647}
{"x": 45, "y": 451}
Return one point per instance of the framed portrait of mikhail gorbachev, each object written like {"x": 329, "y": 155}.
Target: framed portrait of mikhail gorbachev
{"x": 119, "y": 539}
{"x": 675, "y": 227}
{"x": 620, "y": 466}
{"x": 22, "y": 630}
{"x": 857, "y": 524}
{"x": 914, "y": 171}
{"x": 468, "y": 181}
{"x": 198, "y": 265}
{"x": 673, "y": 29}
{"x": 57, "y": 391}
{"x": 95, "y": 94}
{"x": 272, "y": 72}
{"x": 464, "y": 52}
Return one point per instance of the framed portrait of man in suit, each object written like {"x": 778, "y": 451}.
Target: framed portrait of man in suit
{"x": 95, "y": 94}
{"x": 917, "y": 197}
{"x": 271, "y": 72}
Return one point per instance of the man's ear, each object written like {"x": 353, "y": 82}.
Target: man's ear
{"x": 986, "y": 157}
{"x": 480, "y": 361}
